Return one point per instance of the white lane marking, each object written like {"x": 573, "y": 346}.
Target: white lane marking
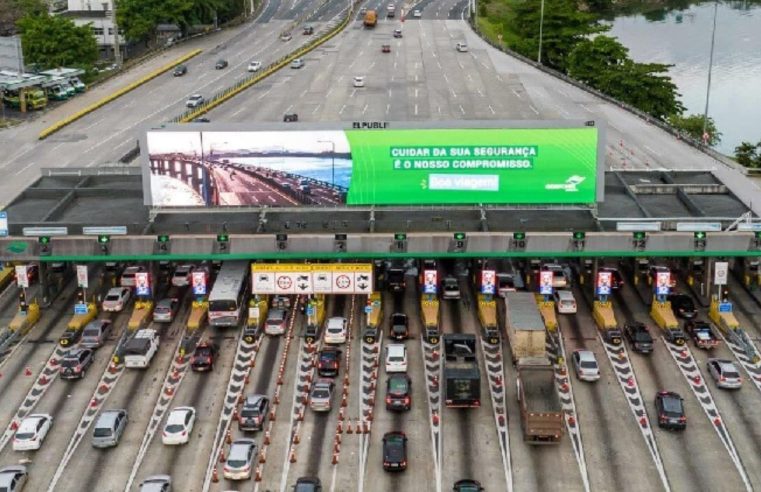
{"x": 243, "y": 108}
{"x": 533, "y": 109}
{"x": 342, "y": 109}
{"x": 388, "y": 107}
{"x": 491, "y": 109}
{"x": 416, "y": 91}
{"x": 364, "y": 109}
{"x": 415, "y": 109}
{"x": 454, "y": 94}
{"x": 304, "y": 92}
{"x": 264, "y": 94}
{"x": 24, "y": 168}
{"x": 462, "y": 110}
{"x": 316, "y": 109}
{"x": 479, "y": 92}
{"x": 288, "y": 109}
{"x": 353, "y": 91}
{"x": 499, "y": 78}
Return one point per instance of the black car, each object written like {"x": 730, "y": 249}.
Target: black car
{"x": 467, "y": 485}
{"x": 394, "y": 451}
{"x": 370, "y": 334}
{"x": 639, "y": 337}
{"x": 399, "y": 327}
{"x": 75, "y": 363}
{"x": 328, "y": 362}
{"x": 683, "y": 306}
{"x": 670, "y": 410}
{"x": 308, "y": 30}
{"x": 203, "y": 357}
{"x": 180, "y": 70}
{"x": 291, "y": 117}
{"x": 398, "y": 392}
{"x": 70, "y": 337}
{"x": 308, "y": 484}
{"x": 220, "y": 64}
{"x": 201, "y": 119}
{"x": 254, "y": 413}
{"x": 312, "y": 333}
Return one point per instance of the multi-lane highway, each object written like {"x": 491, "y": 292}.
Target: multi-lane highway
{"x": 297, "y": 441}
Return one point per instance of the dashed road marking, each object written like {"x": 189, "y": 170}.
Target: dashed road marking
{"x": 432, "y": 365}
{"x": 689, "y": 368}
{"x": 367, "y": 390}
{"x": 495, "y": 369}
{"x": 753, "y": 369}
{"x": 619, "y": 359}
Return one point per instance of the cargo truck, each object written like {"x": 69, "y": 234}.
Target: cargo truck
{"x": 524, "y": 326}
{"x": 541, "y": 411}
{"x": 34, "y": 98}
{"x": 395, "y": 280}
{"x": 462, "y": 378}
{"x": 371, "y": 18}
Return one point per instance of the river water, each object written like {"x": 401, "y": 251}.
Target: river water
{"x": 683, "y": 38}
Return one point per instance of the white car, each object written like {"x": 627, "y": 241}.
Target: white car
{"x": 396, "y": 357}
{"x": 13, "y": 478}
{"x": 462, "y": 47}
{"x": 116, "y": 299}
{"x": 297, "y": 63}
{"x": 359, "y": 81}
{"x": 416, "y": 13}
{"x": 128, "y": 276}
{"x": 32, "y": 432}
{"x": 254, "y": 66}
{"x": 725, "y": 373}
{"x": 194, "y": 101}
{"x": 179, "y": 425}
{"x": 585, "y": 365}
{"x": 156, "y": 483}
{"x": 182, "y": 274}
{"x": 564, "y": 301}
{"x": 336, "y": 330}
{"x": 240, "y": 460}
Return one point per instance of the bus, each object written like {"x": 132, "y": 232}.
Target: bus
{"x": 228, "y": 296}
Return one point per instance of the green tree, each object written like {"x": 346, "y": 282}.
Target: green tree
{"x": 693, "y": 126}
{"x": 564, "y": 27}
{"x": 55, "y": 41}
{"x": 604, "y": 63}
{"x": 138, "y": 18}
{"x": 749, "y": 155}
{"x": 11, "y": 11}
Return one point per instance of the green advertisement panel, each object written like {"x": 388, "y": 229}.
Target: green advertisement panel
{"x": 472, "y": 166}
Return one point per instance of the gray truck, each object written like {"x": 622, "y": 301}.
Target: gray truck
{"x": 541, "y": 411}
{"x": 462, "y": 378}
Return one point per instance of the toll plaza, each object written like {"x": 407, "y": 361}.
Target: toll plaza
{"x": 323, "y": 300}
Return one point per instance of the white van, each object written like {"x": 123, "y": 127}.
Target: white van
{"x": 139, "y": 351}
{"x": 565, "y": 301}
{"x": 396, "y": 357}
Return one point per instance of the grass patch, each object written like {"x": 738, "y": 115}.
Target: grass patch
{"x": 495, "y": 18}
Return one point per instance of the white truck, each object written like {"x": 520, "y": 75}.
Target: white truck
{"x": 139, "y": 351}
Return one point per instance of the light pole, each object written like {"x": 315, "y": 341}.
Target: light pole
{"x": 541, "y": 29}
{"x": 710, "y": 69}
{"x": 332, "y": 161}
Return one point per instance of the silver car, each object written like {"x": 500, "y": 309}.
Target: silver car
{"x": 321, "y": 395}
{"x": 585, "y": 365}
{"x": 109, "y": 428}
{"x": 95, "y": 333}
{"x": 240, "y": 460}
{"x": 725, "y": 373}
{"x": 156, "y": 483}
{"x": 165, "y": 310}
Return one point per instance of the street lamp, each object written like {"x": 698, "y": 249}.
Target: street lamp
{"x": 710, "y": 69}
{"x": 541, "y": 29}
{"x": 332, "y": 161}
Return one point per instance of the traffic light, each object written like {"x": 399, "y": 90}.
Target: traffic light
{"x": 459, "y": 242}
{"x": 400, "y": 243}
{"x": 519, "y": 240}
{"x": 700, "y": 241}
{"x": 281, "y": 242}
{"x": 103, "y": 242}
{"x": 162, "y": 244}
{"x": 339, "y": 243}
{"x": 639, "y": 240}
{"x": 757, "y": 240}
{"x": 45, "y": 247}
{"x": 579, "y": 240}
{"x": 223, "y": 243}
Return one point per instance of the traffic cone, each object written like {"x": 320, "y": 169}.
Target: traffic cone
{"x": 168, "y": 391}
{"x": 43, "y": 380}
{"x": 258, "y": 474}
{"x": 229, "y": 437}
{"x": 272, "y": 414}
{"x": 235, "y": 413}
{"x": 296, "y": 438}
{"x": 27, "y": 371}
{"x": 221, "y": 455}
{"x": 214, "y": 475}
{"x": 435, "y": 418}
{"x": 340, "y": 427}
{"x": 335, "y": 459}
{"x": 292, "y": 458}
{"x": 263, "y": 455}
{"x": 14, "y": 425}
{"x": 301, "y": 415}
{"x": 266, "y": 438}
{"x": 370, "y": 415}
{"x": 349, "y": 430}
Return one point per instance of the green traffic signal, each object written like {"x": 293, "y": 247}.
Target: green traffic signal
{"x": 639, "y": 235}
{"x": 700, "y": 235}
{"x": 44, "y": 239}
{"x": 223, "y": 238}
{"x": 163, "y": 238}
{"x": 459, "y": 236}
{"x": 579, "y": 235}
{"x": 400, "y": 236}
{"x": 104, "y": 239}
{"x": 519, "y": 236}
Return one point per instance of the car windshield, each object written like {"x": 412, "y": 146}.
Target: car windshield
{"x": 203, "y": 352}
{"x": 250, "y": 412}
{"x": 588, "y": 364}
{"x": 91, "y": 332}
{"x": 112, "y": 297}
{"x": 236, "y": 463}
{"x": 703, "y": 334}
{"x": 335, "y": 330}
{"x": 223, "y": 305}
{"x": 24, "y": 435}
{"x": 69, "y": 362}
{"x": 174, "y": 428}
{"x": 672, "y": 405}
{"x": 641, "y": 335}
{"x": 102, "y": 432}
{"x": 730, "y": 373}
{"x": 396, "y": 358}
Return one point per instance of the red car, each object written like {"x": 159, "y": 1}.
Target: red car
{"x": 203, "y": 357}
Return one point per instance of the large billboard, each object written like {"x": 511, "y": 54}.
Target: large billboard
{"x": 322, "y": 166}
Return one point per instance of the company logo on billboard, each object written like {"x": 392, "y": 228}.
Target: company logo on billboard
{"x": 369, "y": 125}
{"x": 571, "y": 184}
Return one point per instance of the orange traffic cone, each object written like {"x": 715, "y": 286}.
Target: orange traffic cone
{"x": 349, "y": 430}
{"x": 214, "y": 475}
{"x": 293, "y": 456}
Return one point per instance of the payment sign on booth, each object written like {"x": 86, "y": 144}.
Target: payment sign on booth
{"x": 603, "y": 283}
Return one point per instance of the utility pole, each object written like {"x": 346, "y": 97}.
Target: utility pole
{"x": 710, "y": 69}
{"x": 116, "y": 46}
{"x": 541, "y": 29}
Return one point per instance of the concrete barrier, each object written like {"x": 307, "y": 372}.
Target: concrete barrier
{"x": 602, "y": 312}
{"x": 124, "y": 90}
{"x": 6, "y": 276}
{"x": 22, "y": 322}
{"x": 663, "y": 315}
{"x": 78, "y": 321}
{"x": 140, "y": 315}
{"x": 547, "y": 310}
{"x": 725, "y": 321}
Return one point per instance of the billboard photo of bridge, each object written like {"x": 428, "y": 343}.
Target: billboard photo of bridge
{"x": 332, "y": 166}
{"x": 273, "y": 169}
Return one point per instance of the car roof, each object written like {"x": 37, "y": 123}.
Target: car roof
{"x": 586, "y": 355}
{"x": 177, "y": 415}
{"x": 76, "y": 351}
{"x": 30, "y": 421}
{"x": 565, "y": 293}
{"x": 239, "y": 448}
{"x": 167, "y": 301}
{"x": 108, "y": 417}
{"x": 116, "y": 290}
{"x": 336, "y": 320}
{"x": 669, "y": 394}
{"x": 396, "y": 347}
{"x": 724, "y": 363}
{"x": 254, "y": 399}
